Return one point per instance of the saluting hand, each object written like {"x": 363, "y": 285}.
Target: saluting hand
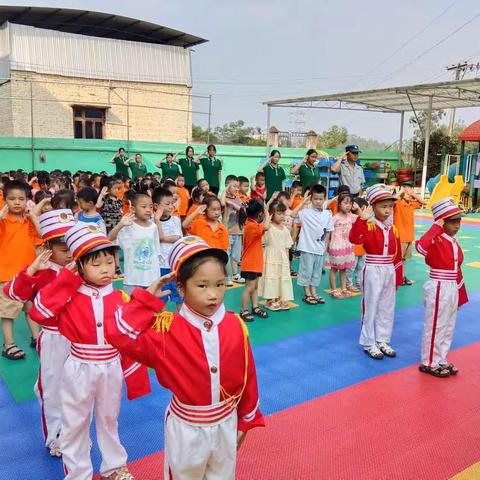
{"x": 367, "y": 213}
{"x": 4, "y": 212}
{"x": 156, "y": 287}
{"x": 40, "y": 263}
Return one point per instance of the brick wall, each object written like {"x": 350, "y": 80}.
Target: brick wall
{"x": 6, "y": 126}
{"x": 54, "y": 96}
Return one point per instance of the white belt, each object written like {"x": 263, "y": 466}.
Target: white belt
{"x": 202, "y": 415}
{"x": 94, "y": 353}
{"x": 53, "y": 330}
{"x": 379, "y": 259}
{"x": 439, "y": 274}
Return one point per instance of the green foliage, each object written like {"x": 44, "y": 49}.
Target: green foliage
{"x": 236, "y": 133}
{"x": 333, "y": 137}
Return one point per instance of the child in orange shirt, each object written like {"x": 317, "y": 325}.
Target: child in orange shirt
{"x": 19, "y": 233}
{"x": 196, "y": 199}
{"x": 243, "y": 188}
{"x": 404, "y": 221}
{"x": 257, "y": 222}
{"x": 296, "y": 197}
{"x": 183, "y": 195}
{"x": 205, "y": 223}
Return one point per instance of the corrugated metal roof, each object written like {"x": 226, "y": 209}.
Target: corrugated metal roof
{"x": 97, "y": 24}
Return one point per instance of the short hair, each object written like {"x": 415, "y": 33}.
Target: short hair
{"x": 361, "y": 202}
{"x": 277, "y": 207}
{"x": 318, "y": 188}
{"x": 160, "y": 193}
{"x": 296, "y": 184}
{"x": 40, "y": 195}
{"x": 243, "y": 179}
{"x": 129, "y": 195}
{"x": 343, "y": 189}
{"x": 181, "y": 175}
{"x": 108, "y": 182}
{"x": 230, "y": 178}
{"x": 88, "y": 194}
{"x": 284, "y": 194}
{"x": 258, "y": 175}
{"x": 16, "y": 185}
{"x": 64, "y": 198}
{"x": 137, "y": 197}
{"x": 169, "y": 154}
{"x": 253, "y": 208}
{"x": 200, "y": 180}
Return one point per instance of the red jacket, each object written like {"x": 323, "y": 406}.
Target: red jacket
{"x": 200, "y": 368}
{"x": 443, "y": 252}
{"x": 81, "y": 313}
{"x": 379, "y": 239}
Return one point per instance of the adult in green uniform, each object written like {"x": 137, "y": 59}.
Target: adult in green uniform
{"x": 274, "y": 174}
{"x": 169, "y": 167}
{"x": 121, "y": 162}
{"x": 137, "y": 167}
{"x": 306, "y": 169}
{"x": 189, "y": 166}
{"x": 212, "y": 169}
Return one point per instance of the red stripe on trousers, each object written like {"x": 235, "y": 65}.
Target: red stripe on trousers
{"x": 363, "y": 296}
{"x": 434, "y": 326}
{"x": 40, "y": 388}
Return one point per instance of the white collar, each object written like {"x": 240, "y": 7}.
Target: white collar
{"x": 95, "y": 292}
{"x": 383, "y": 225}
{"x": 201, "y": 321}
{"x": 449, "y": 238}
{"x": 54, "y": 266}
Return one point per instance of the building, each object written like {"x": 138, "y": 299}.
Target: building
{"x": 79, "y": 74}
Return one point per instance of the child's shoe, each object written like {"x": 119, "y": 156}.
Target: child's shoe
{"x": 120, "y": 474}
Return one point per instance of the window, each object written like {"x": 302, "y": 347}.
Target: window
{"x": 88, "y": 122}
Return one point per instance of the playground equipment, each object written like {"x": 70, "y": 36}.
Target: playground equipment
{"x": 444, "y": 188}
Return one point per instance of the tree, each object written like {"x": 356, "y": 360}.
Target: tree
{"x": 201, "y": 135}
{"x": 366, "y": 143}
{"x": 234, "y": 132}
{"x": 419, "y": 122}
{"x": 333, "y": 137}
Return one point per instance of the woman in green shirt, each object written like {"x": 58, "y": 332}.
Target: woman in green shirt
{"x": 137, "y": 167}
{"x": 274, "y": 174}
{"x": 189, "y": 166}
{"x": 212, "y": 169}
{"x": 169, "y": 167}
{"x": 306, "y": 169}
{"x": 121, "y": 162}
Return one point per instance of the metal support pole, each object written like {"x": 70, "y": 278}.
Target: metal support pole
{"x": 428, "y": 126}
{"x": 128, "y": 122}
{"x": 267, "y": 131}
{"x": 400, "y": 140}
{"x": 31, "y": 127}
{"x": 209, "y": 118}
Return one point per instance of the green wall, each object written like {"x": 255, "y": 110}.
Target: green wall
{"x": 94, "y": 155}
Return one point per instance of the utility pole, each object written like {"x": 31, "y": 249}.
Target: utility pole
{"x": 460, "y": 69}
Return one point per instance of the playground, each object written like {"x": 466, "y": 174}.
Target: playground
{"x": 321, "y": 395}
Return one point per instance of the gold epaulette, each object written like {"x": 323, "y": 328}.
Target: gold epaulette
{"x": 243, "y": 324}
{"x": 163, "y": 322}
{"x": 125, "y": 296}
{"x": 395, "y": 231}
{"x": 371, "y": 226}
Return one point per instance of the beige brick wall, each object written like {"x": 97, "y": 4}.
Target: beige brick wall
{"x": 6, "y": 125}
{"x": 54, "y": 96}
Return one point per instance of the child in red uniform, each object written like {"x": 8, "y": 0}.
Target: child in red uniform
{"x": 258, "y": 189}
{"x": 444, "y": 292}
{"x": 81, "y": 306}
{"x": 202, "y": 354}
{"x": 53, "y": 348}
{"x": 258, "y": 221}
{"x": 383, "y": 271}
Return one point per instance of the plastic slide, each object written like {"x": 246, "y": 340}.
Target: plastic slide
{"x": 444, "y": 189}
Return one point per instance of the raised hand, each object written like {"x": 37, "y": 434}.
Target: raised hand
{"x": 201, "y": 209}
{"x": 156, "y": 287}
{"x": 3, "y": 212}
{"x": 127, "y": 220}
{"x": 367, "y": 213}
{"x": 104, "y": 191}
{"x": 40, "y": 263}
{"x": 158, "y": 213}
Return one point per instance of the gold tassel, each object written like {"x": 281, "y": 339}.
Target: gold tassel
{"x": 125, "y": 296}
{"x": 371, "y": 226}
{"x": 163, "y": 321}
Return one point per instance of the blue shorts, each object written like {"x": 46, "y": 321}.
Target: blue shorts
{"x": 172, "y": 286}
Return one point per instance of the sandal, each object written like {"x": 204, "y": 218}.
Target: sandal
{"x": 319, "y": 299}
{"x": 346, "y": 293}
{"x": 337, "y": 294}
{"x": 259, "y": 312}
{"x": 55, "y": 450}
{"x": 12, "y": 352}
{"x": 273, "y": 305}
{"x": 353, "y": 289}
{"x": 293, "y": 274}
{"x": 386, "y": 349}
{"x": 309, "y": 300}
{"x": 406, "y": 281}
{"x": 246, "y": 316}
{"x": 374, "y": 352}
{"x": 451, "y": 367}
{"x": 284, "y": 306}
{"x": 440, "y": 371}
{"x": 121, "y": 473}
{"x": 33, "y": 342}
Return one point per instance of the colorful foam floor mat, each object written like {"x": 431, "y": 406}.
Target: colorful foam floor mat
{"x": 331, "y": 412}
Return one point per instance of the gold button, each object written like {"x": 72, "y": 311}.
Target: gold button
{"x": 207, "y": 324}
{"x": 99, "y": 324}
{"x": 214, "y": 369}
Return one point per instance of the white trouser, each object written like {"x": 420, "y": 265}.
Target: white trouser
{"x": 85, "y": 386}
{"x": 378, "y": 304}
{"x": 53, "y": 349}
{"x": 200, "y": 452}
{"x": 441, "y": 306}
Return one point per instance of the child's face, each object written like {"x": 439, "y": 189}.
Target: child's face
{"x": 180, "y": 182}
{"x": 283, "y": 199}
{"x": 143, "y": 208}
{"x": 261, "y": 217}
{"x": 173, "y": 190}
{"x": 100, "y": 271}
{"x": 244, "y": 187}
{"x": 60, "y": 254}
{"x": 47, "y": 207}
{"x": 204, "y": 186}
{"x": 214, "y": 211}
{"x": 278, "y": 218}
{"x": 167, "y": 204}
{"x": 233, "y": 187}
{"x": 85, "y": 205}
{"x": 16, "y": 201}
{"x": 318, "y": 199}
{"x": 96, "y": 183}
{"x": 452, "y": 227}
{"x": 383, "y": 209}
{"x": 261, "y": 181}
{"x": 114, "y": 189}
{"x": 346, "y": 205}
{"x": 157, "y": 177}
{"x": 205, "y": 289}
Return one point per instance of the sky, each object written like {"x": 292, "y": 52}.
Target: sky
{"x": 261, "y": 50}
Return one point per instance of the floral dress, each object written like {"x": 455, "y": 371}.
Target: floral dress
{"x": 341, "y": 255}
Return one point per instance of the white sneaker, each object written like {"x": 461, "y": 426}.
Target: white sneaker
{"x": 386, "y": 349}
{"x": 374, "y": 352}
{"x": 229, "y": 282}
{"x": 55, "y": 449}
{"x": 238, "y": 279}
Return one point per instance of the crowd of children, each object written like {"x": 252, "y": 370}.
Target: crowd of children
{"x": 184, "y": 241}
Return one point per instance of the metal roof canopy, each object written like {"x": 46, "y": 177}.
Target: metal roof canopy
{"x": 97, "y": 24}
{"x": 428, "y": 96}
